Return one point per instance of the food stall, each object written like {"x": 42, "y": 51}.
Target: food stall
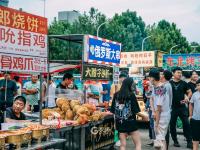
{"x": 82, "y": 124}
{"x": 74, "y": 122}
{"x": 26, "y": 136}
{"x": 24, "y": 50}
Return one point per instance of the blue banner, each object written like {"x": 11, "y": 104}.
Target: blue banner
{"x": 103, "y": 51}
{"x": 185, "y": 61}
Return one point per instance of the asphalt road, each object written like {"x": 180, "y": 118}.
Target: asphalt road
{"x": 145, "y": 141}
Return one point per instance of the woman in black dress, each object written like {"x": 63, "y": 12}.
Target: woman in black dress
{"x": 125, "y": 108}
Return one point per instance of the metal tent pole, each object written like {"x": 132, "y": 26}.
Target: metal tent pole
{"x": 40, "y": 102}
{"x": 5, "y": 100}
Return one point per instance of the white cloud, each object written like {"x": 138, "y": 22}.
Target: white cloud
{"x": 185, "y": 13}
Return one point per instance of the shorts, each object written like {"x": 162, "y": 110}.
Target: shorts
{"x": 195, "y": 124}
{"x": 126, "y": 126}
{"x": 162, "y": 130}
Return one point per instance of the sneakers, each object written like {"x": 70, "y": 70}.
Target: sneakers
{"x": 189, "y": 145}
{"x": 118, "y": 144}
{"x": 176, "y": 144}
{"x": 150, "y": 144}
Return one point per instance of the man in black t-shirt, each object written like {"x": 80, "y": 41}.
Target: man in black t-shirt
{"x": 194, "y": 77}
{"x": 181, "y": 95}
{"x": 65, "y": 84}
{"x": 14, "y": 113}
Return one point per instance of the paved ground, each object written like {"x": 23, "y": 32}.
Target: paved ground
{"x": 145, "y": 141}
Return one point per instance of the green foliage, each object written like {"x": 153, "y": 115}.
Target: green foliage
{"x": 88, "y": 23}
{"x": 195, "y": 47}
{"x": 165, "y": 35}
{"x": 127, "y": 28}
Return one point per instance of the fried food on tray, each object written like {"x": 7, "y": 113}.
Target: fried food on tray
{"x": 36, "y": 127}
{"x": 76, "y": 108}
{"x": 60, "y": 101}
{"x": 56, "y": 109}
{"x": 90, "y": 107}
{"x": 65, "y": 107}
{"x": 74, "y": 103}
{"x": 69, "y": 115}
{"x": 46, "y": 113}
{"x": 59, "y": 111}
{"x": 97, "y": 115}
{"x": 83, "y": 110}
{"x": 82, "y": 118}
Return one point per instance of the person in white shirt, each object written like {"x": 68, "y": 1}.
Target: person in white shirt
{"x": 50, "y": 96}
{"x": 95, "y": 93}
{"x": 161, "y": 107}
{"x": 165, "y": 77}
{"x": 194, "y": 109}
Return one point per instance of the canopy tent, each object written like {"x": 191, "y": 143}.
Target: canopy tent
{"x": 61, "y": 67}
{"x": 77, "y": 38}
{"x": 54, "y": 68}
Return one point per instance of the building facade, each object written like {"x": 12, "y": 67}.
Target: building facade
{"x": 69, "y": 16}
{"x": 4, "y": 2}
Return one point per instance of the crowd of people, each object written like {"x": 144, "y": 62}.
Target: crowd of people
{"x": 167, "y": 96}
{"x": 16, "y": 99}
{"x": 11, "y": 88}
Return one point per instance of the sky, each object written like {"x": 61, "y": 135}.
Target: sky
{"x": 185, "y": 13}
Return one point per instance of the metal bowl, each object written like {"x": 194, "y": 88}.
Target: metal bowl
{"x": 46, "y": 132}
{"x": 26, "y": 137}
{"x": 14, "y": 139}
{"x": 2, "y": 141}
{"x": 37, "y": 134}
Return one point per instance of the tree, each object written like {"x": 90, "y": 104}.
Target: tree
{"x": 86, "y": 24}
{"x": 128, "y": 29}
{"x": 58, "y": 48}
{"x": 195, "y": 47}
{"x": 166, "y": 35}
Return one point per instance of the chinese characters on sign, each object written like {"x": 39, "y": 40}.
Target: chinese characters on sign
{"x": 185, "y": 61}
{"x": 160, "y": 58}
{"x": 137, "y": 59}
{"x": 97, "y": 72}
{"x": 116, "y": 75}
{"x": 23, "y": 38}
{"x": 24, "y": 21}
{"x": 102, "y": 51}
{"x": 25, "y": 63}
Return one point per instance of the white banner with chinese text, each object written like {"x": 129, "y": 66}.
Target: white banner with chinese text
{"x": 23, "y": 41}
{"x": 22, "y": 63}
{"x": 137, "y": 59}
